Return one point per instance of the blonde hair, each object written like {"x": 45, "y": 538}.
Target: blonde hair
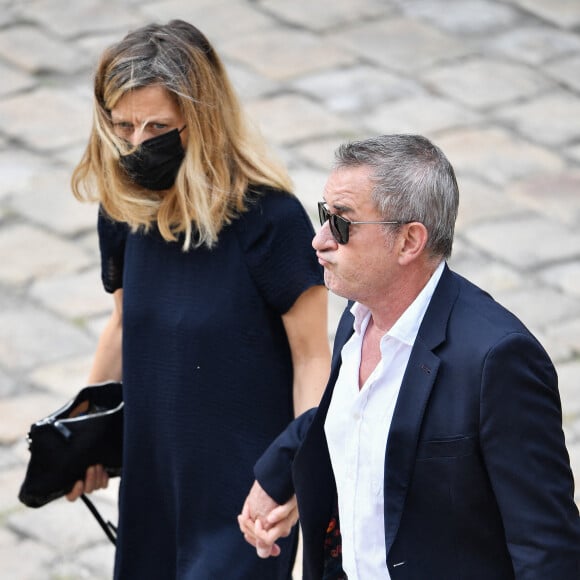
{"x": 223, "y": 156}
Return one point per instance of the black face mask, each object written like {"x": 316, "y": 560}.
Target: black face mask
{"x": 155, "y": 163}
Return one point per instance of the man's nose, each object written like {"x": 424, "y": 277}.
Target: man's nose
{"x": 324, "y": 240}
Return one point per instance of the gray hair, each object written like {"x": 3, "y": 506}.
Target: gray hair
{"x": 413, "y": 181}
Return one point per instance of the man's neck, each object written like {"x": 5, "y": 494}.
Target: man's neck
{"x": 389, "y": 308}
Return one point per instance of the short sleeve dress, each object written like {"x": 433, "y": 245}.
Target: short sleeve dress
{"x": 207, "y": 378}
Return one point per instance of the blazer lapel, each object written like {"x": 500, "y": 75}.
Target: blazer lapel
{"x": 404, "y": 434}
{"x": 343, "y": 333}
{"x": 413, "y": 397}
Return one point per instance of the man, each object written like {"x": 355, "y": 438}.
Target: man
{"x": 437, "y": 448}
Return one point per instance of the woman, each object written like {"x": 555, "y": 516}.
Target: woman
{"x": 219, "y": 324}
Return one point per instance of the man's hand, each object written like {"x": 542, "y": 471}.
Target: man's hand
{"x": 263, "y": 521}
{"x": 95, "y": 478}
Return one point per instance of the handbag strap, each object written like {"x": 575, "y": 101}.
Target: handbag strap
{"x": 109, "y": 528}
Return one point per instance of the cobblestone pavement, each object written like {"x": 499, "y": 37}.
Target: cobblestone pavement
{"x": 494, "y": 82}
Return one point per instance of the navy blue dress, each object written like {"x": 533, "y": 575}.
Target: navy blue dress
{"x": 207, "y": 377}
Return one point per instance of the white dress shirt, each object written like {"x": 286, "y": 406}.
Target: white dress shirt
{"x": 357, "y": 427}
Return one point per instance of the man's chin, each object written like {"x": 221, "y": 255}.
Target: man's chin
{"x": 334, "y": 285}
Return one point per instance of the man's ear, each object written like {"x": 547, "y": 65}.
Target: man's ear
{"x": 413, "y": 242}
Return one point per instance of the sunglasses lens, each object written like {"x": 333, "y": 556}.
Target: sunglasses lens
{"x": 339, "y": 228}
{"x": 338, "y": 225}
{"x": 323, "y": 213}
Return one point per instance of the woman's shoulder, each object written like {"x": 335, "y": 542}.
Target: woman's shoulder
{"x": 272, "y": 213}
{"x": 267, "y": 202}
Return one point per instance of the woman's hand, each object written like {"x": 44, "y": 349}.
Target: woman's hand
{"x": 95, "y": 478}
{"x": 263, "y": 521}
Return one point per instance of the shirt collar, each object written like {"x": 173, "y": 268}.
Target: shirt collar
{"x": 407, "y": 326}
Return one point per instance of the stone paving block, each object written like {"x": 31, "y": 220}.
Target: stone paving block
{"x": 8, "y": 461}
{"x": 351, "y": 61}
{"x": 425, "y": 115}
{"x": 14, "y": 455}
{"x": 47, "y": 118}
{"x": 567, "y": 333}
{"x": 19, "y": 450}
{"x": 534, "y": 45}
{"x": 325, "y": 14}
{"x": 165, "y": 10}
{"x": 309, "y": 188}
{"x": 567, "y": 71}
{"x": 558, "y": 350}
{"x": 61, "y": 525}
{"x": 99, "y": 559}
{"x": 24, "y": 560}
{"x": 309, "y": 53}
{"x": 526, "y": 242}
{"x": 546, "y": 119}
{"x": 6, "y": 384}
{"x": 31, "y": 49}
{"x": 564, "y": 276}
{"x": 13, "y": 80}
{"x": 481, "y": 202}
{"x": 97, "y": 324}
{"x": 93, "y": 47}
{"x": 32, "y": 336}
{"x": 18, "y": 169}
{"x": 568, "y": 374}
{"x": 356, "y": 89}
{"x": 68, "y": 158}
{"x": 539, "y": 307}
{"x": 488, "y": 275}
{"x": 18, "y": 413}
{"x": 6, "y": 538}
{"x": 574, "y": 452}
{"x": 71, "y": 567}
{"x": 50, "y": 203}
{"x": 72, "y": 19}
{"x": 483, "y": 82}
{"x": 401, "y": 44}
{"x": 574, "y": 152}
{"x": 555, "y": 194}
{"x": 565, "y": 13}
{"x": 320, "y": 152}
{"x": 219, "y": 20}
{"x": 89, "y": 241}
{"x": 247, "y": 83}
{"x": 10, "y": 482}
{"x": 65, "y": 377}
{"x": 7, "y": 14}
{"x": 462, "y": 17}
{"x": 291, "y": 118}
{"x": 21, "y": 244}
{"x": 74, "y": 296}
{"x": 496, "y": 155}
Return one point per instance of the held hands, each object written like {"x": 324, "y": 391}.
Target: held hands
{"x": 95, "y": 478}
{"x": 263, "y": 521}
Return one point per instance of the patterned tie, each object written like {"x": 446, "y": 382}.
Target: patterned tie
{"x": 333, "y": 549}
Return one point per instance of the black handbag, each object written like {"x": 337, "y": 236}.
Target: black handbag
{"x": 87, "y": 431}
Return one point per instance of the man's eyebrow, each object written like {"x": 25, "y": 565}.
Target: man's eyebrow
{"x": 341, "y": 208}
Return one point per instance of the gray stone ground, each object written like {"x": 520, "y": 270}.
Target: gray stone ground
{"x": 494, "y": 82}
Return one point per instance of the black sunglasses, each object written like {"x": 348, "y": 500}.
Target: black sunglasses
{"x": 339, "y": 226}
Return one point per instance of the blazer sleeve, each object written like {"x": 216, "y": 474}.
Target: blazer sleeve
{"x": 525, "y": 454}
{"x": 274, "y": 468}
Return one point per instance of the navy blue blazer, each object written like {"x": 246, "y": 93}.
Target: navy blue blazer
{"x": 478, "y": 484}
